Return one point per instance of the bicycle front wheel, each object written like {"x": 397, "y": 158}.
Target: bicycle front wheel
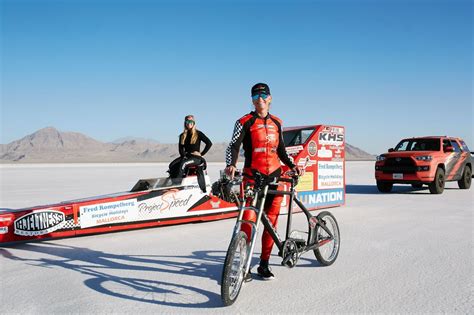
{"x": 234, "y": 268}
{"x": 329, "y": 246}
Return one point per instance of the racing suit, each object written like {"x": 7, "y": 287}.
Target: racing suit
{"x": 264, "y": 148}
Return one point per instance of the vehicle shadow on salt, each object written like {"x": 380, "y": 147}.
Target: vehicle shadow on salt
{"x": 372, "y": 190}
{"x": 99, "y": 266}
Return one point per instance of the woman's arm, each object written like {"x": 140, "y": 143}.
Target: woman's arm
{"x": 206, "y": 140}
{"x": 181, "y": 147}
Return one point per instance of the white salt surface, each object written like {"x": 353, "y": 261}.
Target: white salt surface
{"x": 405, "y": 252}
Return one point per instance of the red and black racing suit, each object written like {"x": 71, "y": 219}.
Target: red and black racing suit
{"x": 264, "y": 148}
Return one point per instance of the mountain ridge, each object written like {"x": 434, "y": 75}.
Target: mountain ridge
{"x": 49, "y": 145}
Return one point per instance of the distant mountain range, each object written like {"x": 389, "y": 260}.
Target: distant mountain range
{"x": 48, "y": 145}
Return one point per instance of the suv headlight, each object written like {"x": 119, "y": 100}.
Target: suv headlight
{"x": 424, "y": 158}
{"x": 380, "y": 158}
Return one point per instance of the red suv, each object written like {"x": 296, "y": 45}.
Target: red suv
{"x": 425, "y": 161}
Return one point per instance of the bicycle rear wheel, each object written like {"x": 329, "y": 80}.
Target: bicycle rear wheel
{"x": 328, "y": 248}
{"x": 234, "y": 268}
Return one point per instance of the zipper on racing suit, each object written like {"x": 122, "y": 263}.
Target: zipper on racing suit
{"x": 266, "y": 144}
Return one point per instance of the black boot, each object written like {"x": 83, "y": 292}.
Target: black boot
{"x": 264, "y": 271}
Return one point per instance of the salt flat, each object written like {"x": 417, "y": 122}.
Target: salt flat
{"x": 405, "y": 252}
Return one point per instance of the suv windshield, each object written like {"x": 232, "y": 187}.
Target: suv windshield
{"x": 418, "y": 145}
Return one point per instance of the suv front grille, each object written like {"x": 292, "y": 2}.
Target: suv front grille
{"x": 399, "y": 165}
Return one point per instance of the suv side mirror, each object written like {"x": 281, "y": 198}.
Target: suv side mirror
{"x": 448, "y": 149}
{"x": 391, "y": 150}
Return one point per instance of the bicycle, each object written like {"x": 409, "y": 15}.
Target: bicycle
{"x": 322, "y": 237}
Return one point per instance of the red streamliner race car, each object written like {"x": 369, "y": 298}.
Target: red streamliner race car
{"x": 151, "y": 202}
{"x": 422, "y": 161}
{"x": 164, "y": 201}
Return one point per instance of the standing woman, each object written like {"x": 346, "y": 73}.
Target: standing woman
{"x": 190, "y": 153}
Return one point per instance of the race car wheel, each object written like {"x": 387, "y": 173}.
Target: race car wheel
{"x": 437, "y": 186}
{"x": 417, "y": 186}
{"x": 384, "y": 186}
{"x": 465, "y": 181}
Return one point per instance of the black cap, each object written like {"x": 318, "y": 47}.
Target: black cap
{"x": 260, "y": 88}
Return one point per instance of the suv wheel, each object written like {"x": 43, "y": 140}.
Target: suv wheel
{"x": 384, "y": 186}
{"x": 465, "y": 181}
{"x": 437, "y": 186}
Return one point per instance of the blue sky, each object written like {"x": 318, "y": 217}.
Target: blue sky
{"x": 110, "y": 69}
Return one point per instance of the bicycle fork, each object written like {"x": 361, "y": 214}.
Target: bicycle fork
{"x": 255, "y": 225}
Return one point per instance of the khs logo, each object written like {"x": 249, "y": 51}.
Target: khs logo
{"x": 331, "y": 137}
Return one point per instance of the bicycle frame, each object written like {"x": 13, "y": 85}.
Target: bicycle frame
{"x": 259, "y": 199}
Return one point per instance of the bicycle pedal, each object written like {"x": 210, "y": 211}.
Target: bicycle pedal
{"x": 288, "y": 264}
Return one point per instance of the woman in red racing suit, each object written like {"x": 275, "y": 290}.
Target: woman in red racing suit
{"x": 261, "y": 135}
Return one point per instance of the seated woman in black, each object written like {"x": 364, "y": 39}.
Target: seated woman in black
{"x": 189, "y": 148}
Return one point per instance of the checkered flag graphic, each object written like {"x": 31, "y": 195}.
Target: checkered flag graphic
{"x": 69, "y": 224}
{"x": 235, "y": 136}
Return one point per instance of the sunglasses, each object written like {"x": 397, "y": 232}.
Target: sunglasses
{"x": 189, "y": 121}
{"x": 262, "y": 95}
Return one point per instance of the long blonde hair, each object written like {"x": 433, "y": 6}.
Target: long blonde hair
{"x": 194, "y": 134}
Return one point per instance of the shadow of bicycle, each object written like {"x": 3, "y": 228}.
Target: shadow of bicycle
{"x": 99, "y": 267}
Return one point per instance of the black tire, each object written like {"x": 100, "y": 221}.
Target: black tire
{"x": 465, "y": 181}
{"x": 234, "y": 268}
{"x": 437, "y": 186}
{"x": 417, "y": 186}
{"x": 384, "y": 187}
{"x": 327, "y": 253}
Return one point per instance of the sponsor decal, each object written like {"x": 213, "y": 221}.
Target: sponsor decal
{"x": 294, "y": 150}
{"x": 173, "y": 203}
{"x": 331, "y": 138}
{"x": 166, "y": 202}
{"x": 3, "y": 229}
{"x": 270, "y": 137}
{"x": 324, "y": 153}
{"x": 39, "y": 222}
{"x": 312, "y": 148}
{"x": 333, "y": 129}
{"x": 320, "y": 198}
{"x": 215, "y": 204}
{"x": 306, "y": 182}
{"x": 260, "y": 126}
{"x": 330, "y": 175}
{"x": 306, "y": 162}
{"x": 108, "y": 213}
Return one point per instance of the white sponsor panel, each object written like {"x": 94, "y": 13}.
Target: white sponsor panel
{"x": 108, "y": 213}
{"x": 330, "y": 175}
{"x": 173, "y": 203}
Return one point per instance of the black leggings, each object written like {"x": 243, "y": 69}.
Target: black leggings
{"x": 179, "y": 165}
